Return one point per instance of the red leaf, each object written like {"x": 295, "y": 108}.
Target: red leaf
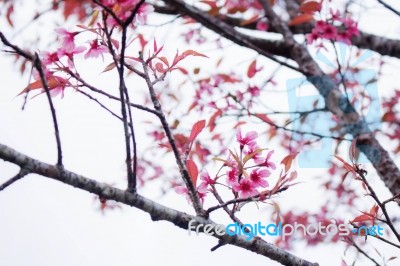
{"x": 374, "y": 210}
{"x": 300, "y": 19}
{"x": 196, "y": 129}
{"x": 362, "y": 218}
{"x": 9, "y": 12}
{"x": 252, "y": 70}
{"x": 346, "y": 165}
{"x": 211, "y": 123}
{"x": 288, "y": 160}
{"x": 184, "y": 71}
{"x": 352, "y": 151}
{"x": 160, "y": 68}
{"x": 389, "y": 117}
{"x": 52, "y": 82}
{"x": 193, "y": 171}
{"x": 185, "y": 54}
{"x": 310, "y": 7}
{"x": 264, "y": 118}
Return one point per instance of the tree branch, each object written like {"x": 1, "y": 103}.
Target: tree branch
{"x": 157, "y": 211}
{"x": 12, "y": 180}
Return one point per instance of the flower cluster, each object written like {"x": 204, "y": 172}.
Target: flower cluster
{"x": 123, "y": 9}
{"x": 243, "y": 179}
{"x": 246, "y": 180}
{"x": 327, "y": 29}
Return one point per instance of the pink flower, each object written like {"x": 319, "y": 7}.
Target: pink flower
{"x": 352, "y": 26}
{"x": 70, "y": 54}
{"x": 108, "y": 3}
{"x": 207, "y": 180}
{"x": 68, "y": 38}
{"x": 344, "y": 37}
{"x": 262, "y": 25}
{"x": 96, "y": 49}
{"x": 182, "y": 190}
{"x": 329, "y": 33}
{"x": 335, "y": 15}
{"x": 257, "y": 156}
{"x": 257, "y": 177}
{"x": 127, "y": 3}
{"x": 313, "y": 36}
{"x": 50, "y": 58}
{"x": 267, "y": 162}
{"x": 143, "y": 12}
{"x": 248, "y": 140}
{"x": 232, "y": 177}
{"x": 254, "y": 91}
{"x": 245, "y": 188}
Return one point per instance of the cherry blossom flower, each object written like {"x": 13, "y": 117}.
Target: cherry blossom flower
{"x": 267, "y": 162}
{"x": 108, "y": 3}
{"x": 68, "y": 38}
{"x": 70, "y": 54}
{"x": 96, "y": 49}
{"x": 313, "y": 36}
{"x": 245, "y": 188}
{"x": 258, "y": 176}
{"x": 254, "y": 91}
{"x": 248, "y": 140}
{"x": 257, "y": 157}
{"x": 232, "y": 177}
{"x": 50, "y": 58}
{"x": 143, "y": 12}
{"x": 207, "y": 180}
{"x": 329, "y": 33}
{"x": 262, "y": 25}
{"x": 182, "y": 190}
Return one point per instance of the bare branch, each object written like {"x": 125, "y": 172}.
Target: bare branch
{"x": 12, "y": 180}
{"x": 157, "y": 211}
{"x": 181, "y": 165}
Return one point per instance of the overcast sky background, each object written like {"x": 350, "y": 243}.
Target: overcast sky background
{"x": 44, "y": 222}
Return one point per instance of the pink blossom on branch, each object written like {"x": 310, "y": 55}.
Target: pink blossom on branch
{"x": 68, "y": 38}
{"x": 247, "y": 140}
{"x": 206, "y": 181}
{"x": 258, "y": 176}
{"x": 96, "y": 49}
{"x": 245, "y": 188}
{"x": 70, "y": 54}
{"x": 267, "y": 162}
{"x": 182, "y": 190}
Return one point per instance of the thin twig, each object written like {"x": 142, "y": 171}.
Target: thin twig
{"x": 389, "y": 222}
{"x": 39, "y": 68}
{"x": 12, "y": 180}
{"x": 182, "y": 168}
{"x": 363, "y": 252}
{"x": 99, "y": 103}
{"x": 389, "y": 7}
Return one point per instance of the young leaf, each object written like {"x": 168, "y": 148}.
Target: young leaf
{"x": 362, "y": 218}
{"x": 301, "y": 19}
{"x": 287, "y": 161}
{"x": 310, "y": 7}
{"x": 193, "y": 171}
{"x": 109, "y": 67}
{"x": 185, "y": 54}
{"x": 346, "y": 165}
{"x": 211, "y": 123}
{"x": 252, "y": 70}
{"x": 196, "y": 129}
